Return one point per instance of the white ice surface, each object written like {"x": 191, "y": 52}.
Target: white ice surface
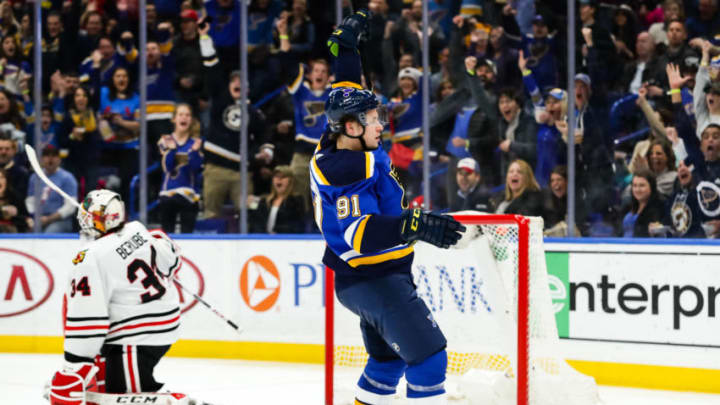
{"x": 231, "y": 382}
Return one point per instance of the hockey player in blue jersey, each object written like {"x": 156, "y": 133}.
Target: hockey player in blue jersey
{"x": 358, "y": 204}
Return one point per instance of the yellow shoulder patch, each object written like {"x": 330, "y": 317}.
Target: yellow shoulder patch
{"x": 80, "y": 257}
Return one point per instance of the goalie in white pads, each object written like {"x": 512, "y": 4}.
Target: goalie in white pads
{"x": 121, "y": 310}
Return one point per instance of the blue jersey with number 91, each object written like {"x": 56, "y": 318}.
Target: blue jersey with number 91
{"x": 357, "y": 201}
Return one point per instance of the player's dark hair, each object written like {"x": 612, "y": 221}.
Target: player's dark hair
{"x": 343, "y": 120}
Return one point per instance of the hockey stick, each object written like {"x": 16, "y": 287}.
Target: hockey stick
{"x": 32, "y": 157}
{"x": 158, "y": 398}
{"x": 210, "y": 307}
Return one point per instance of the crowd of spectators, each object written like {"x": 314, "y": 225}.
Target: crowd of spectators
{"x": 646, "y": 95}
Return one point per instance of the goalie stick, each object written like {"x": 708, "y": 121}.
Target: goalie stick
{"x": 164, "y": 398}
{"x": 210, "y": 307}
{"x": 32, "y": 157}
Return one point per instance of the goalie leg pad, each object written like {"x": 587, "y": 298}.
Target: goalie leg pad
{"x": 100, "y": 376}
{"x": 129, "y": 368}
{"x": 427, "y": 378}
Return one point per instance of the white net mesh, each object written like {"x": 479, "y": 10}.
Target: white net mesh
{"x": 472, "y": 292}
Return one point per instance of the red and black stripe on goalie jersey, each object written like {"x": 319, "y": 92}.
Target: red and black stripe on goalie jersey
{"x": 100, "y": 327}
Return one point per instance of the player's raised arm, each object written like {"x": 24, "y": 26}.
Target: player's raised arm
{"x": 343, "y": 46}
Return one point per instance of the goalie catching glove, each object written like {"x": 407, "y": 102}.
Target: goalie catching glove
{"x": 351, "y": 32}
{"x": 440, "y": 230}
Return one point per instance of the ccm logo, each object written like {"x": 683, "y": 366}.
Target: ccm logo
{"x": 143, "y": 399}
{"x": 25, "y": 282}
{"x": 414, "y": 223}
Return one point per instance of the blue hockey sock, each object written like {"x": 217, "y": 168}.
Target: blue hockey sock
{"x": 379, "y": 379}
{"x": 427, "y": 378}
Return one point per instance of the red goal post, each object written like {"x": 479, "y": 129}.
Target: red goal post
{"x": 523, "y": 284}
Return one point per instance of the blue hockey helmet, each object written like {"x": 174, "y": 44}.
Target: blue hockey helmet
{"x": 344, "y": 101}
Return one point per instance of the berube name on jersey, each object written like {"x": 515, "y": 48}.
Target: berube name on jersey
{"x": 129, "y": 246}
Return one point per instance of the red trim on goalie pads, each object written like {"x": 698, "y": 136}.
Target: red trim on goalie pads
{"x": 100, "y": 376}
{"x": 131, "y": 370}
{"x": 67, "y": 388}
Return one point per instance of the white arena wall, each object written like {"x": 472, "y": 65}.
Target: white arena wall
{"x": 642, "y": 313}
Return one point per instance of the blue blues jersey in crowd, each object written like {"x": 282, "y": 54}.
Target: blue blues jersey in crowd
{"x": 260, "y": 23}
{"x": 128, "y": 109}
{"x": 460, "y": 130}
{"x": 48, "y": 136}
{"x": 551, "y": 152}
{"x": 541, "y": 59}
{"x": 50, "y": 200}
{"x": 406, "y": 117}
{"x": 310, "y": 119}
{"x": 225, "y": 24}
{"x": 687, "y": 102}
{"x": 101, "y": 76}
{"x": 357, "y": 203}
{"x": 161, "y": 82}
{"x": 181, "y": 168}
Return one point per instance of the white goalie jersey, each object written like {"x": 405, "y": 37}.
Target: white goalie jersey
{"x": 119, "y": 292}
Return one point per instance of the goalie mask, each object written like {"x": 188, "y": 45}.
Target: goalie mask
{"x": 101, "y": 212}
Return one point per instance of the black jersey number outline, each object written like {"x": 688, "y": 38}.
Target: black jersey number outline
{"x": 150, "y": 280}
{"x": 82, "y": 286}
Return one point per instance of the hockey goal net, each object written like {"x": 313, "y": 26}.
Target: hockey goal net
{"x": 491, "y": 297}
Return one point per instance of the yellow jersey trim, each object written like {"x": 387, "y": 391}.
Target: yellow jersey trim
{"x": 368, "y": 165}
{"x": 357, "y": 239}
{"x": 318, "y": 173}
{"x": 160, "y": 108}
{"x": 298, "y": 80}
{"x": 383, "y": 257}
{"x": 166, "y": 47}
{"x": 347, "y": 84}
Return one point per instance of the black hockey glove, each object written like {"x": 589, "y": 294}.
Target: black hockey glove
{"x": 439, "y": 230}
{"x": 353, "y": 29}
